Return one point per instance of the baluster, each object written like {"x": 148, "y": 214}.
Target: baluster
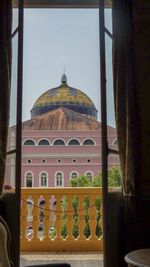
{"x": 64, "y": 206}
{"x": 29, "y": 230}
{"x": 87, "y": 229}
{"x": 52, "y": 228}
{"x": 75, "y": 229}
{"x": 41, "y": 229}
{"x": 98, "y": 230}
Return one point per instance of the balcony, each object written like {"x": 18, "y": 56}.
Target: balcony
{"x": 61, "y": 225}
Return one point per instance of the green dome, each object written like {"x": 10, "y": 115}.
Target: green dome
{"x": 64, "y": 96}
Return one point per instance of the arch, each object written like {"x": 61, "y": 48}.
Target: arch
{"x": 43, "y": 142}
{"x": 29, "y": 142}
{"x": 29, "y": 179}
{"x": 88, "y": 142}
{"x": 89, "y": 175}
{"x": 59, "y": 142}
{"x": 43, "y": 179}
{"x": 74, "y": 175}
{"x": 74, "y": 142}
{"x": 59, "y": 179}
{"x": 115, "y": 142}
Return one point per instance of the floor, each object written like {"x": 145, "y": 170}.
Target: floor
{"x": 75, "y": 259}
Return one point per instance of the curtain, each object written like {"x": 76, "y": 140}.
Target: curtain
{"x": 126, "y": 104}
{"x": 5, "y": 80}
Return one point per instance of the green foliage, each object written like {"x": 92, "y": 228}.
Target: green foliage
{"x": 64, "y": 231}
{"x": 75, "y": 230}
{"x": 98, "y": 231}
{"x": 87, "y": 230}
{"x": 81, "y": 181}
{"x": 114, "y": 179}
{"x": 86, "y": 203}
{"x": 52, "y": 233}
{"x": 98, "y": 203}
{"x": 64, "y": 204}
{"x": 75, "y": 203}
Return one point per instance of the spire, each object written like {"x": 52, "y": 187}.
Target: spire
{"x": 64, "y": 77}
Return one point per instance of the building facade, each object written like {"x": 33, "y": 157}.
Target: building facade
{"x": 62, "y": 140}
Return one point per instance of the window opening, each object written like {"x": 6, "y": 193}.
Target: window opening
{"x": 89, "y": 175}
{"x": 59, "y": 179}
{"x": 74, "y": 175}
{"x": 73, "y": 142}
{"x": 43, "y": 142}
{"x": 59, "y": 142}
{"x": 43, "y": 179}
{"x": 29, "y": 143}
{"x": 88, "y": 142}
{"x": 29, "y": 178}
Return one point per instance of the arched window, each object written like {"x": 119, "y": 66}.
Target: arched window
{"x": 59, "y": 142}
{"x": 88, "y": 142}
{"x": 74, "y": 142}
{"x": 43, "y": 179}
{"x": 29, "y": 179}
{"x": 89, "y": 175}
{"x": 43, "y": 142}
{"x": 74, "y": 175}
{"x": 115, "y": 142}
{"x": 59, "y": 179}
{"x": 29, "y": 142}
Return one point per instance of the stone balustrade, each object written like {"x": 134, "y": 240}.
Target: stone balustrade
{"x": 61, "y": 219}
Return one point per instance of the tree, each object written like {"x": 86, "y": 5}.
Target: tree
{"x": 114, "y": 179}
{"x": 81, "y": 181}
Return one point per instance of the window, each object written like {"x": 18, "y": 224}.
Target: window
{"x": 89, "y": 175}
{"x": 59, "y": 161}
{"x": 74, "y": 175}
{"x": 29, "y": 161}
{"x": 59, "y": 142}
{"x": 29, "y": 142}
{"x": 115, "y": 142}
{"x": 43, "y": 142}
{"x": 88, "y": 142}
{"x": 59, "y": 179}
{"x": 74, "y": 142}
{"x": 88, "y": 160}
{"x": 29, "y": 178}
{"x": 43, "y": 161}
{"x": 43, "y": 179}
{"x": 74, "y": 160}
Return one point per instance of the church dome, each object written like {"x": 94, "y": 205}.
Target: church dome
{"x": 64, "y": 96}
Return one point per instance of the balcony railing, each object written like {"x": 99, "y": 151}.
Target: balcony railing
{"x": 62, "y": 219}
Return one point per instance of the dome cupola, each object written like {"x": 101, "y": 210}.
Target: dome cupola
{"x": 64, "y": 96}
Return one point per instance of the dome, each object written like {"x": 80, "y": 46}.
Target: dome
{"x": 64, "y": 96}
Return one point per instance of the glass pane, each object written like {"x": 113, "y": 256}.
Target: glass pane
{"x": 108, "y": 19}
{"x": 11, "y": 145}
{"x": 15, "y": 17}
{"x": 13, "y": 96}
{"x": 9, "y": 184}
{"x": 109, "y": 84}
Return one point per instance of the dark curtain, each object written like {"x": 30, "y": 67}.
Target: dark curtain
{"x": 5, "y": 80}
{"x": 126, "y": 105}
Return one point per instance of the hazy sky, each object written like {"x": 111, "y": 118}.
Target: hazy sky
{"x": 54, "y": 38}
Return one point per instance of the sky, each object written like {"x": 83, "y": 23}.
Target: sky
{"x": 58, "y": 39}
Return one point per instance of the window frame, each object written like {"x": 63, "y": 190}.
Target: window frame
{"x": 25, "y": 178}
{"x": 105, "y": 150}
{"x": 40, "y": 179}
{"x": 55, "y": 179}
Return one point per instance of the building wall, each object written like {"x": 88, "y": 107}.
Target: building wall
{"x": 61, "y": 158}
